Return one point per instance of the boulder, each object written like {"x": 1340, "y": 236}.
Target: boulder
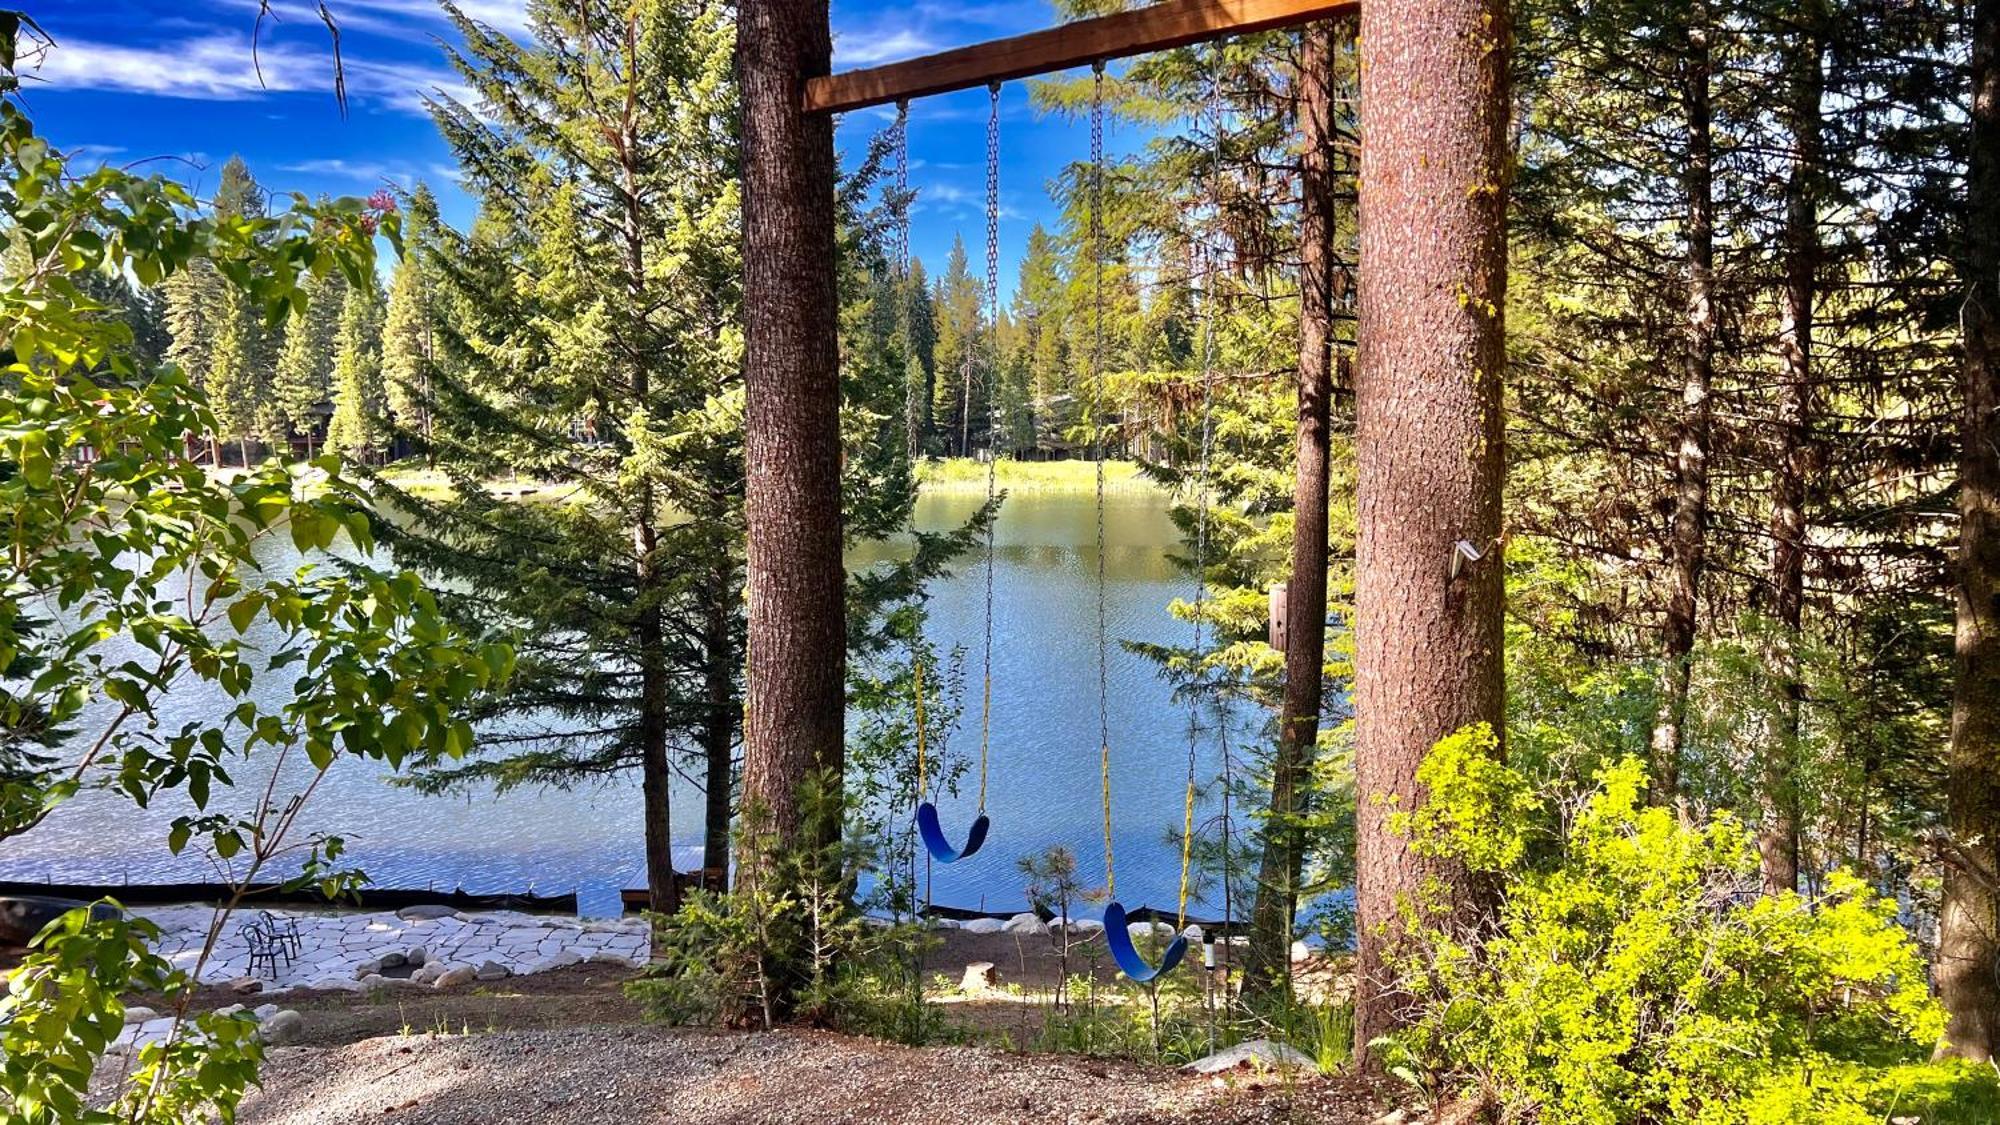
{"x": 415, "y": 956}
{"x": 374, "y": 980}
{"x": 493, "y": 970}
{"x": 1027, "y": 924}
{"x": 560, "y": 959}
{"x": 392, "y": 960}
{"x": 1257, "y": 1054}
{"x": 228, "y": 1010}
{"x": 264, "y": 1011}
{"x": 980, "y": 976}
{"x": 429, "y": 973}
{"x": 425, "y": 912}
{"x": 282, "y": 1028}
{"x": 368, "y": 969}
{"x": 985, "y": 926}
{"x": 455, "y": 977}
{"x": 245, "y": 986}
{"x": 139, "y": 1014}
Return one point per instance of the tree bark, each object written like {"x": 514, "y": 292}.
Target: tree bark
{"x": 797, "y": 625}
{"x": 1269, "y": 956}
{"x": 1433, "y": 191}
{"x": 1778, "y": 828}
{"x": 1968, "y": 959}
{"x": 1687, "y": 544}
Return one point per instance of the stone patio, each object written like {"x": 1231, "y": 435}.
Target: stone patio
{"x": 355, "y": 951}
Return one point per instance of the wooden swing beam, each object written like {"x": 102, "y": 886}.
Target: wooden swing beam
{"x": 1175, "y": 23}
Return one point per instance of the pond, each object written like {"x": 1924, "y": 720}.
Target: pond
{"x": 1043, "y": 787}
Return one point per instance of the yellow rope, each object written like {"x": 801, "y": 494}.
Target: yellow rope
{"x": 1104, "y": 765}
{"x": 1187, "y": 851}
{"x": 919, "y": 666}
{"x": 985, "y": 728}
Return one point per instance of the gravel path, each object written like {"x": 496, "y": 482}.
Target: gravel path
{"x": 642, "y": 1074}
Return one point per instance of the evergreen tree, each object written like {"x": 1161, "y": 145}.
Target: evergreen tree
{"x": 409, "y": 344}
{"x": 302, "y": 386}
{"x": 360, "y": 425}
{"x": 958, "y": 405}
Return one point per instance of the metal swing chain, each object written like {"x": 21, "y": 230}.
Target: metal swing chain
{"x": 1214, "y": 302}
{"x": 992, "y": 412}
{"x": 902, "y": 132}
{"x": 1097, "y": 442}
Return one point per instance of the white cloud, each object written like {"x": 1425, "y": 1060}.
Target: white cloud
{"x": 222, "y": 67}
{"x": 866, "y": 48}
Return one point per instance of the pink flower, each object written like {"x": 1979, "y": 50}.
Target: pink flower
{"x": 382, "y": 202}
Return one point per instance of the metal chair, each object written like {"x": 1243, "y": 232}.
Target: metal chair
{"x": 285, "y": 929}
{"x": 265, "y": 947}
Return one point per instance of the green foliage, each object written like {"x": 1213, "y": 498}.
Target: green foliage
{"x": 1629, "y": 975}
{"x": 148, "y": 562}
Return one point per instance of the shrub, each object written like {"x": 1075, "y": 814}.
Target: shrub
{"x": 1632, "y": 974}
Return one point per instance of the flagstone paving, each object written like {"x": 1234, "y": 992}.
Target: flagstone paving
{"x": 349, "y": 950}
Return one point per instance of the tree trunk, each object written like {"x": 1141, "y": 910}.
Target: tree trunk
{"x": 1968, "y": 959}
{"x": 1433, "y": 190}
{"x": 1269, "y": 960}
{"x": 797, "y": 625}
{"x": 718, "y": 735}
{"x": 1687, "y": 543}
{"x": 1778, "y": 828}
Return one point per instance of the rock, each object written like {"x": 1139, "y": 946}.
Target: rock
{"x": 282, "y": 1028}
{"x": 392, "y": 961}
{"x": 1087, "y": 926}
{"x": 1393, "y": 1117}
{"x": 985, "y": 926}
{"x": 429, "y": 973}
{"x": 367, "y": 969}
{"x": 455, "y": 977}
{"x": 617, "y": 960}
{"x": 415, "y": 956}
{"x": 493, "y": 970}
{"x": 245, "y": 986}
{"x": 1257, "y": 1054}
{"x": 561, "y": 959}
{"x": 980, "y": 976}
{"x": 264, "y": 1011}
{"x": 425, "y": 912}
{"x": 1025, "y": 924}
{"x": 138, "y": 1014}
{"x": 336, "y": 984}
{"x": 374, "y": 980}
{"x": 229, "y": 1010}
{"x": 1301, "y": 952}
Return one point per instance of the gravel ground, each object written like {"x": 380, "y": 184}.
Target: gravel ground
{"x": 644, "y": 1074}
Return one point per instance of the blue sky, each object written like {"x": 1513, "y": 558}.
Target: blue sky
{"x": 133, "y": 80}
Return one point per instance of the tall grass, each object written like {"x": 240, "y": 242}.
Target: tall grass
{"x": 964, "y": 474}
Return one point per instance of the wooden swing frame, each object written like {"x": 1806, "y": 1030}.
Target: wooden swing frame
{"x": 1175, "y": 23}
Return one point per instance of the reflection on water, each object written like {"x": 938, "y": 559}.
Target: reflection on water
{"x": 1043, "y": 788}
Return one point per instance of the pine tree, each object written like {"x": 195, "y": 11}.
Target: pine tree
{"x": 302, "y": 386}
{"x": 193, "y": 297}
{"x": 409, "y": 344}
{"x": 957, "y": 403}
{"x": 360, "y": 425}
{"x": 238, "y": 371}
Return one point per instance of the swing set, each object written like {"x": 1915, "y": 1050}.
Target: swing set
{"x": 1177, "y": 23}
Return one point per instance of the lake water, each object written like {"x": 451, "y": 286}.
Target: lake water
{"x": 1043, "y": 787}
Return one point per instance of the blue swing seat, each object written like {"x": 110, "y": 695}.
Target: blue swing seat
{"x": 935, "y": 842}
{"x": 1130, "y": 961}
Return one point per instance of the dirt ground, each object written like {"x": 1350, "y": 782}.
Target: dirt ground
{"x": 567, "y": 1046}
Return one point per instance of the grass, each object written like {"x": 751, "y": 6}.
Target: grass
{"x": 963, "y": 474}
{"x": 1940, "y": 1093}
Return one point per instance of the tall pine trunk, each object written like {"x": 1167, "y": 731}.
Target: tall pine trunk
{"x": 1687, "y": 541}
{"x": 797, "y": 624}
{"x": 1778, "y": 827}
{"x": 1305, "y": 599}
{"x": 655, "y": 692}
{"x": 1433, "y": 191}
{"x": 1968, "y": 958}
